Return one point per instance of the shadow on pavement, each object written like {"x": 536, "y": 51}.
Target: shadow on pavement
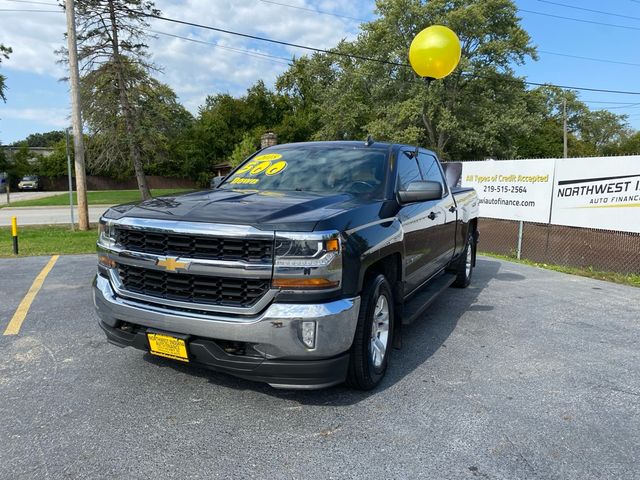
{"x": 420, "y": 341}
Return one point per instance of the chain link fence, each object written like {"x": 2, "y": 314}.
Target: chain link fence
{"x": 600, "y": 250}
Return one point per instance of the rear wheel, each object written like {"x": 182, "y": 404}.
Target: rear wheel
{"x": 464, "y": 269}
{"x": 374, "y": 335}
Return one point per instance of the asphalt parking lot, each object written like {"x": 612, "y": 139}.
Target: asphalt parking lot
{"x": 526, "y": 374}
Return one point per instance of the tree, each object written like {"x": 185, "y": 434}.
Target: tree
{"x": 225, "y": 123}
{"x": 20, "y": 164}
{"x": 248, "y": 145}
{"x": 589, "y": 132}
{"x": 159, "y": 119}
{"x": 630, "y": 145}
{"x": 4, "y": 53}
{"x": 55, "y": 164}
{"x": 474, "y": 112}
{"x": 601, "y": 128}
{"x": 111, "y": 35}
{"x": 46, "y": 139}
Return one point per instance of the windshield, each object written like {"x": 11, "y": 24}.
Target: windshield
{"x": 29, "y": 178}
{"x": 358, "y": 171}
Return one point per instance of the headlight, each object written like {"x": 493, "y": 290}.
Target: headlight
{"x": 308, "y": 261}
{"x": 106, "y": 234}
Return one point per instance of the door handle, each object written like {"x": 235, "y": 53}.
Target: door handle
{"x": 452, "y": 208}
{"x": 432, "y": 216}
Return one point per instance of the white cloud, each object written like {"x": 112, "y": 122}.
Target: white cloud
{"x": 194, "y": 70}
{"x": 55, "y": 117}
{"x": 34, "y": 38}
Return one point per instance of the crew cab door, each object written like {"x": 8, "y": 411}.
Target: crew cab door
{"x": 444, "y": 235}
{"x": 419, "y": 223}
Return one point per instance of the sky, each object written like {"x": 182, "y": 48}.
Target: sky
{"x": 38, "y": 101}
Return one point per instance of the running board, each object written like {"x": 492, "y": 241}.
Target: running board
{"x": 425, "y": 297}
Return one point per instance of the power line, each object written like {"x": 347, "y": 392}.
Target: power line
{"x": 361, "y": 57}
{"x": 578, "y": 19}
{"x": 631, "y": 105}
{"x": 322, "y": 12}
{"x": 32, "y": 11}
{"x": 260, "y": 55}
{"x": 34, "y": 2}
{"x": 612, "y": 103}
{"x": 369, "y": 59}
{"x": 589, "y": 10}
{"x": 589, "y": 58}
{"x": 277, "y": 42}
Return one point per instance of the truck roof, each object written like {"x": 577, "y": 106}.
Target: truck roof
{"x": 352, "y": 143}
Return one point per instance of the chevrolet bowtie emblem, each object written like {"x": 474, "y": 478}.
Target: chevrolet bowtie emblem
{"x": 171, "y": 264}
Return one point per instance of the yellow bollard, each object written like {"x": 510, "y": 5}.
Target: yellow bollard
{"x": 14, "y": 234}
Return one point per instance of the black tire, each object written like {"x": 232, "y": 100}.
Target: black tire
{"x": 363, "y": 373}
{"x": 464, "y": 269}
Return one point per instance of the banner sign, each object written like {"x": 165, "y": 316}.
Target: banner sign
{"x": 512, "y": 189}
{"x": 598, "y": 192}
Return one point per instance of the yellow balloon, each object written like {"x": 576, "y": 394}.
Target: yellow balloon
{"x": 435, "y": 52}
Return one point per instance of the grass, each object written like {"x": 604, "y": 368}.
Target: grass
{"x": 48, "y": 240}
{"x": 101, "y": 197}
{"x": 626, "y": 279}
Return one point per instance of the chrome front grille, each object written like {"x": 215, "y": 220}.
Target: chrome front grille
{"x": 196, "y": 289}
{"x": 195, "y": 246}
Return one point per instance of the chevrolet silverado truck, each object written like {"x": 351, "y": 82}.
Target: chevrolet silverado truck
{"x": 298, "y": 269}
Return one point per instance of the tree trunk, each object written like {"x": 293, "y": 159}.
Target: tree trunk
{"x": 427, "y": 123}
{"x": 129, "y": 120}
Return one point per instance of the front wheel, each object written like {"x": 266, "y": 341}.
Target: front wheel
{"x": 373, "y": 339}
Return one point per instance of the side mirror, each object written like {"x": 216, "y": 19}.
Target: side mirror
{"x": 216, "y": 181}
{"x": 420, "y": 191}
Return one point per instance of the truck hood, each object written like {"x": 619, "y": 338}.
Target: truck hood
{"x": 293, "y": 211}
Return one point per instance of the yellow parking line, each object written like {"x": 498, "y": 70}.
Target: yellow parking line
{"x": 16, "y": 321}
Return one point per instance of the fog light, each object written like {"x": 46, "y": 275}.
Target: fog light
{"x": 308, "y": 333}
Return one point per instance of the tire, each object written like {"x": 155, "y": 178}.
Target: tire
{"x": 368, "y": 361}
{"x": 464, "y": 269}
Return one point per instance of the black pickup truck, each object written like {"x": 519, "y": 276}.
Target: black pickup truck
{"x": 297, "y": 269}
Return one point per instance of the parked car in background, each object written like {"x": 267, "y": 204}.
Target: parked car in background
{"x": 29, "y": 182}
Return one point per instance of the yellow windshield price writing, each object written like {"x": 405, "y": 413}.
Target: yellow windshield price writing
{"x": 276, "y": 168}
{"x": 268, "y": 157}
{"x": 244, "y": 181}
{"x": 263, "y": 164}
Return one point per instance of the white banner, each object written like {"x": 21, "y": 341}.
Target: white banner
{"x": 512, "y": 189}
{"x": 598, "y": 192}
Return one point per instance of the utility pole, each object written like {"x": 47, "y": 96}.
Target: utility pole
{"x": 76, "y": 118}
{"x": 564, "y": 124}
{"x": 73, "y": 223}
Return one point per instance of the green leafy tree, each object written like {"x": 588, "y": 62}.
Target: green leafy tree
{"x": 248, "y": 145}
{"x": 46, "y": 139}
{"x": 4, "y": 53}
{"x": 476, "y": 111}
{"x": 113, "y": 53}
{"x": 55, "y": 164}
{"x": 601, "y": 128}
{"x": 21, "y": 163}
{"x": 589, "y": 132}
{"x": 159, "y": 119}
{"x": 225, "y": 122}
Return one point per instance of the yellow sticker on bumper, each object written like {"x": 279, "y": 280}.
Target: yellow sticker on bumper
{"x": 168, "y": 347}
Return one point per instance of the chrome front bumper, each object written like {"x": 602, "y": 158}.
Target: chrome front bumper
{"x": 275, "y": 332}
